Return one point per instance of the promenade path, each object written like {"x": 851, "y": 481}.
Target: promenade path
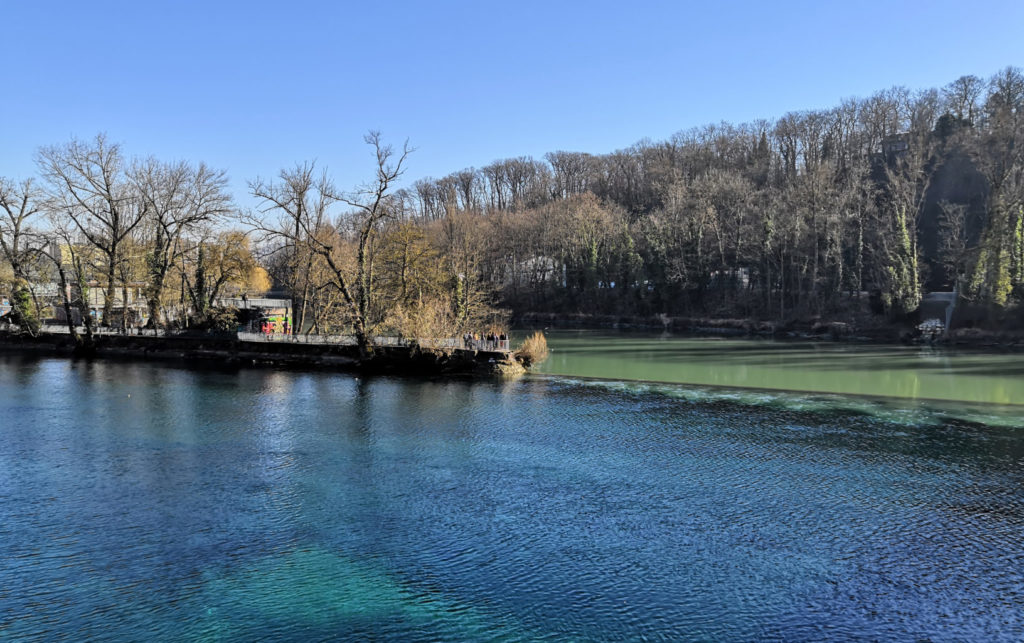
{"x": 449, "y": 343}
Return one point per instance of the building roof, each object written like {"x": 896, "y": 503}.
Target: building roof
{"x": 254, "y": 302}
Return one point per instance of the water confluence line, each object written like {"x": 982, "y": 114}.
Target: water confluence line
{"x": 765, "y": 389}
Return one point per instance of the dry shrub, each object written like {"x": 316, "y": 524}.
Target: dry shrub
{"x": 533, "y": 350}
{"x": 425, "y": 321}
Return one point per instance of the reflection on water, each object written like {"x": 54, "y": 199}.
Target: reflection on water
{"x": 141, "y": 502}
{"x": 915, "y": 372}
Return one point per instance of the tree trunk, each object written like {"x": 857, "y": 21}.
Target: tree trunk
{"x": 81, "y": 290}
{"x": 108, "y": 303}
{"x": 160, "y": 262}
{"x": 66, "y": 301}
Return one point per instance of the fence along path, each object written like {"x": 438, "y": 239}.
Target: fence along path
{"x": 449, "y": 343}
{"x": 497, "y": 345}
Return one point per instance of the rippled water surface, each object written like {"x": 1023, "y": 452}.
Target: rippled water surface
{"x": 142, "y": 502}
{"x": 911, "y": 372}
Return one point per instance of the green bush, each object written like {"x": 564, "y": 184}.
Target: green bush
{"x": 23, "y": 311}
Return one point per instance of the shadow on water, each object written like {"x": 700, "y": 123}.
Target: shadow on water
{"x": 23, "y": 368}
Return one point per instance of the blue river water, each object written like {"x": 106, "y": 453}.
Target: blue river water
{"x": 154, "y": 502}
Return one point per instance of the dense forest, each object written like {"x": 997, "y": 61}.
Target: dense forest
{"x": 885, "y": 196}
{"x": 865, "y": 206}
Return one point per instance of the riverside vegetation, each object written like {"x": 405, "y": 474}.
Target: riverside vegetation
{"x": 533, "y": 350}
{"x": 844, "y": 214}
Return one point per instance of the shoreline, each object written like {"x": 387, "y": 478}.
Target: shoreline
{"x": 816, "y": 330}
{"x": 230, "y": 351}
{"x": 726, "y": 389}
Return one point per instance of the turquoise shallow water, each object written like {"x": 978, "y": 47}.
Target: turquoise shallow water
{"x": 142, "y": 502}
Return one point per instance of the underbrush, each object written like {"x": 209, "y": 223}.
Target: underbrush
{"x": 533, "y": 350}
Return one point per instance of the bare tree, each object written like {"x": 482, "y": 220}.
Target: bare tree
{"x": 181, "y": 199}
{"x": 20, "y": 206}
{"x": 462, "y": 243}
{"x": 221, "y": 260}
{"x": 89, "y": 185}
{"x": 999, "y": 155}
{"x": 954, "y": 248}
{"x": 962, "y": 96}
{"x": 468, "y": 182}
{"x": 571, "y": 172}
{"x": 371, "y": 204}
{"x": 301, "y": 203}
{"x": 63, "y": 251}
{"x": 296, "y": 221}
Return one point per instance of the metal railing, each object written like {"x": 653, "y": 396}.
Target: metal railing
{"x": 486, "y": 344}
{"x": 446, "y": 343}
{"x": 349, "y": 340}
{"x": 279, "y": 338}
{"x": 62, "y": 329}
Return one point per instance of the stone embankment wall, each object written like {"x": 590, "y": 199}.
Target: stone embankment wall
{"x": 229, "y": 351}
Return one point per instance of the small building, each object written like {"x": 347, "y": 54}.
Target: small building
{"x": 730, "y": 278}
{"x": 267, "y": 314}
{"x": 895, "y": 146}
{"x": 137, "y": 307}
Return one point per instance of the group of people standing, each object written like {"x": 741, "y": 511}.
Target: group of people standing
{"x": 270, "y": 328}
{"x": 485, "y": 342}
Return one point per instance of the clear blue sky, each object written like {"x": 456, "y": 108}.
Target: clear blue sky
{"x": 252, "y": 87}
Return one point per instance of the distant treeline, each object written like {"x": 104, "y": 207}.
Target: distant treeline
{"x": 887, "y": 195}
{"x": 876, "y": 199}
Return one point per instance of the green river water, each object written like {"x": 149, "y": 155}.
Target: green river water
{"x": 965, "y": 382}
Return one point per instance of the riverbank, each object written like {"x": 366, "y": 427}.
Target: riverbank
{"x": 227, "y": 349}
{"x": 859, "y": 329}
